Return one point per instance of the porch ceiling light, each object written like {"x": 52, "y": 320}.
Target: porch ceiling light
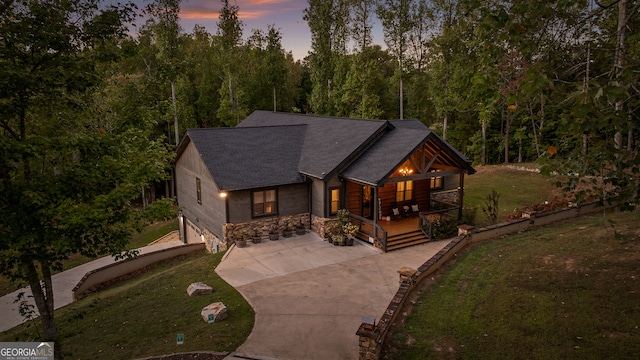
{"x": 405, "y": 171}
{"x": 223, "y": 194}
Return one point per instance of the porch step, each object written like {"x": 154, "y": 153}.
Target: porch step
{"x": 404, "y": 240}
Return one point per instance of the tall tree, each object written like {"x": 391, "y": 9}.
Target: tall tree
{"x": 167, "y": 30}
{"x": 200, "y": 79}
{"x": 275, "y": 58}
{"x": 65, "y": 182}
{"x": 397, "y": 23}
{"x": 328, "y": 22}
{"x": 362, "y": 23}
{"x": 230, "y": 36}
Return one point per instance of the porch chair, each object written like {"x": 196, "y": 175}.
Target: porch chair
{"x": 415, "y": 210}
{"x": 396, "y": 214}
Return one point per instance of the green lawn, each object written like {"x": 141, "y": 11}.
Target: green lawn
{"x": 568, "y": 291}
{"x": 152, "y": 233}
{"x": 142, "y": 316}
{"x": 149, "y": 234}
{"x": 516, "y": 188}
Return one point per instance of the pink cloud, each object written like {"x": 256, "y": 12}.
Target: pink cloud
{"x": 248, "y": 9}
{"x": 199, "y": 14}
{"x": 261, "y": 2}
{"x": 215, "y": 14}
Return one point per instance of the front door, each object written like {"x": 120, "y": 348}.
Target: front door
{"x": 367, "y": 202}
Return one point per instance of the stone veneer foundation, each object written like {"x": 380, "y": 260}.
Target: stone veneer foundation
{"x": 233, "y": 232}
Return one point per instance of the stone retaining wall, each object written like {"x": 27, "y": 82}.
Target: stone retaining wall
{"x": 118, "y": 269}
{"x": 233, "y": 232}
{"x": 319, "y": 225}
{"x": 371, "y": 339}
{"x": 448, "y": 197}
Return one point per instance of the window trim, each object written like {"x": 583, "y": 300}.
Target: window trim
{"x": 198, "y": 190}
{"x": 264, "y": 193}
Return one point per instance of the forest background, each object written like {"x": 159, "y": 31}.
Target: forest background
{"x": 91, "y": 110}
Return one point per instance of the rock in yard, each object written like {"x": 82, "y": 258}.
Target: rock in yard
{"x": 199, "y": 288}
{"x": 214, "y": 312}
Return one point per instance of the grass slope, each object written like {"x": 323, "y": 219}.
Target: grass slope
{"x": 568, "y": 291}
{"x": 516, "y": 188}
{"x": 142, "y": 316}
{"x": 148, "y": 234}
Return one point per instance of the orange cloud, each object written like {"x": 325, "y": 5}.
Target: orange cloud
{"x": 252, "y": 14}
{"x": 199, "y": 14}
{"x": 248, "y": 9}
{"x": 214, "y": 15}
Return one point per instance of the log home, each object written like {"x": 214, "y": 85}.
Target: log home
{"x": 285, "y": 168}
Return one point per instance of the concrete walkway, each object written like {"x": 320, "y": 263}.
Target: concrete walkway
{"x": 63, "y": 284}
{"x": 310, "y": 296}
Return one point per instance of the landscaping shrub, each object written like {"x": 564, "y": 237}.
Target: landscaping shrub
{"x": 445, "y": 228}
{"x": 448, "y": 227}
{"x": 490, "y": 207}
{"x": 539, "y": 207}
{"x": 160, "y": 210}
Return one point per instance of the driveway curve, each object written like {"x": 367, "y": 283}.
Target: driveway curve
{"x": 309, "y": 296}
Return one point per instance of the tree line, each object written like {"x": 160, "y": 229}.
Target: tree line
{"x": 92, "y": 107}
{"x": 503, "y": 81}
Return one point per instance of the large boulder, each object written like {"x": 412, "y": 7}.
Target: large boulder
{"x": 214, "y": 312}
{"x": 199, "y": 288}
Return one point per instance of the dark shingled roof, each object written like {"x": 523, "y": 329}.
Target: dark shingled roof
{"x": 381, "y": 159}
{"x": 271, "y": 148}
{"x": 329, "y": 142}
{"x": 250, "y": 157}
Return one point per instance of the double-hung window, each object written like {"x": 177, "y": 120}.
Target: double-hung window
{"x": 264, "y": 202}
{"x": 437, "y": 183}
{"x": 404, "y": 191}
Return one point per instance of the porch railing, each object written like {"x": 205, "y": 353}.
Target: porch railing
{"x": 439, "y": 207}
{"x": 425, "y": 225}
{"x": 374, "y": 230}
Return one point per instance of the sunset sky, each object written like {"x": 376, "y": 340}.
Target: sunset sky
{"x": 286, "y": 15}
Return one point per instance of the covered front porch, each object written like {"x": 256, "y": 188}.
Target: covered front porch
{"x": 395, "y": 198}
{"x": 390, "y": 233}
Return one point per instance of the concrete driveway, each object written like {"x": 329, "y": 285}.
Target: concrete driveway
{"x": 310, "y": 296}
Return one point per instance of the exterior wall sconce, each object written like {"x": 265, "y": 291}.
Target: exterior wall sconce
{"x": 223, "y": 194}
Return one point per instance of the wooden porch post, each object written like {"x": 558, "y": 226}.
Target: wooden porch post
{"x": 376, "y": 204}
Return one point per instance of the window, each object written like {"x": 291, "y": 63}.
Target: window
{"x": 264, "y": 202}
{"x": 198, "y": 191}
{"x": 437, "y": 183}
{"x": 335, "y": 200}
{"x": 404, "y": 191}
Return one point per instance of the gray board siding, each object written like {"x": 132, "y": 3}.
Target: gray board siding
{"x": 292, "y": 200}
{"x": 318, "y": 196}
{"x": 210, "y": 213}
